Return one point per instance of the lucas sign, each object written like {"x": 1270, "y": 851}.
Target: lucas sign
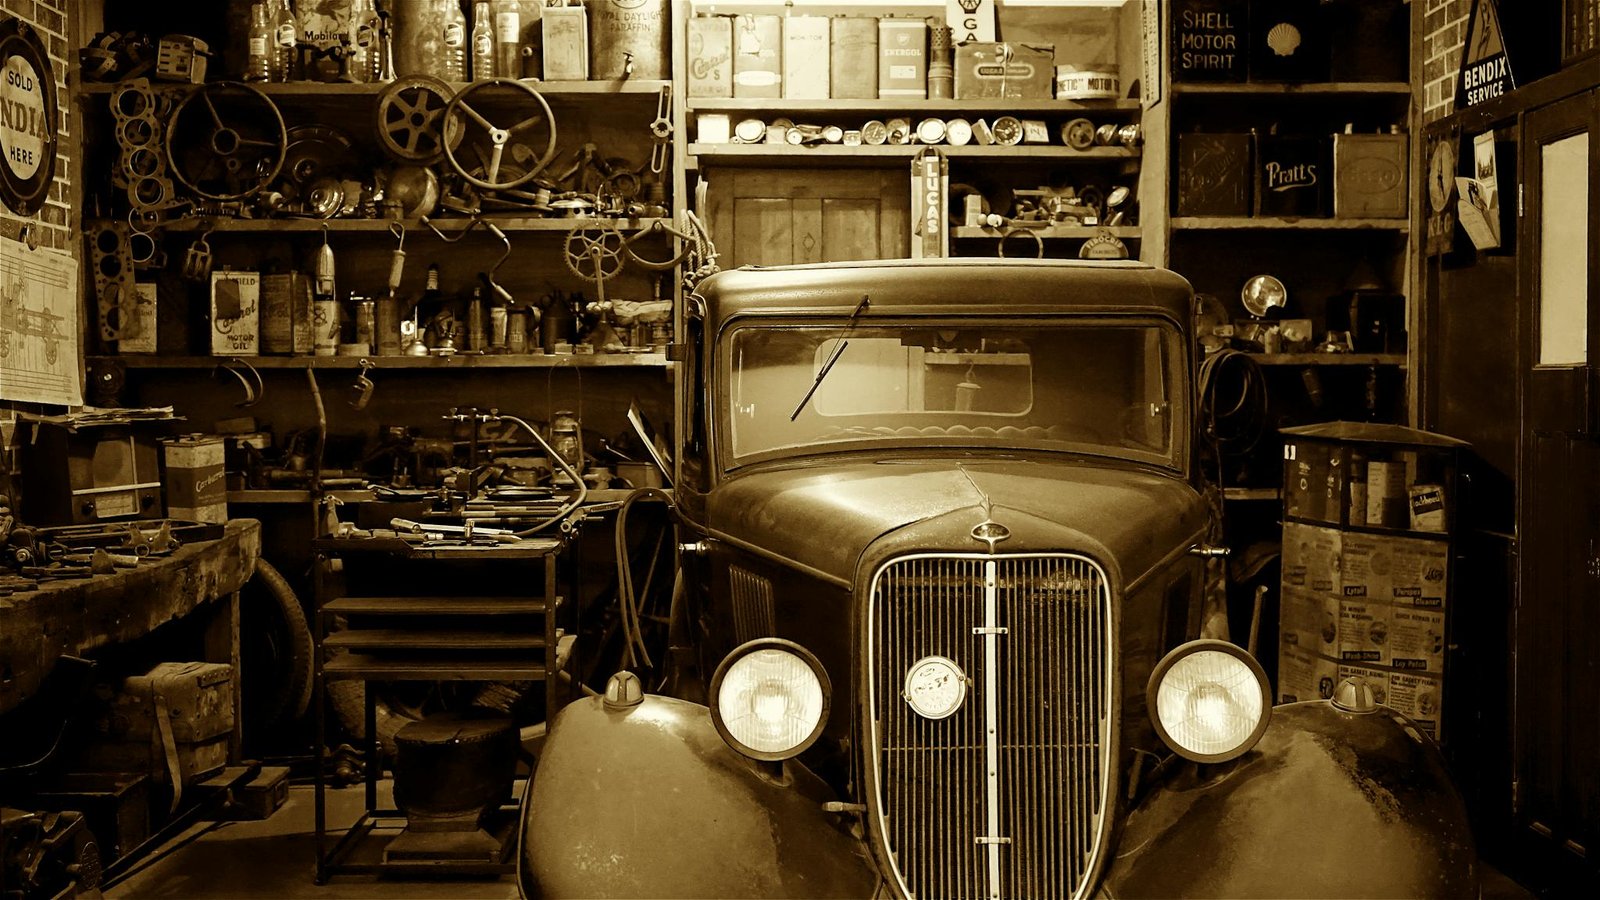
{"x": 27, "y": 118}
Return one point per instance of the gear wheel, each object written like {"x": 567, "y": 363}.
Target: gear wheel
{"x": 594, "y": 254}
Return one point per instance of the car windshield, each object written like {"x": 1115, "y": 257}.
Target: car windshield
{"x": 1110, "y": 387}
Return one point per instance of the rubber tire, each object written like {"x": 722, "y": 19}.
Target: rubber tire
{"x": 291, "y": 696}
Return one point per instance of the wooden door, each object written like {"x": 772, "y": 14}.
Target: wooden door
{"x": 1557, "y": 746}
{"x": 776, "y": 217}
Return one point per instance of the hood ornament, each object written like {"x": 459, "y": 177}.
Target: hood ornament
{"x": 988, "y": 530}
{"x": 991, "y": 532}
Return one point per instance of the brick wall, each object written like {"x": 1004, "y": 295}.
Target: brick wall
{"x": 54, "y": 219}
{"x": 1444, "y": 31}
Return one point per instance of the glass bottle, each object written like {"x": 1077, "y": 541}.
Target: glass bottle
{"x": 258, "y": 66}
{"x": 284, "y": 31}
{"x": 455, "y": 42}
{"x": 507, "y": 37}
{"x": 364, "y": 48}
{"x": 482, "y": 42}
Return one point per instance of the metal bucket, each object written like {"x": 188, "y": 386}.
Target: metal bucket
{"x": 618, "y": 28}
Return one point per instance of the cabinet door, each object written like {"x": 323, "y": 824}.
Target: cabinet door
{"x": 1558, "y": 608}
{"x": 777, "y": 217}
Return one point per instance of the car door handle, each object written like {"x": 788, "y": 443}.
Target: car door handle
{"x": 1209, "y": 551}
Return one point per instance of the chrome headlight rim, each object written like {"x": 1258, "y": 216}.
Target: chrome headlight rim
{"x": 793, "y": 649}
{"x": 1178, "y": 654}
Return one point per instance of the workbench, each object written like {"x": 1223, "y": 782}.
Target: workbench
{"x": 80, "y": 616}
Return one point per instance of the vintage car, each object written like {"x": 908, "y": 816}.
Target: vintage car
{"x": 944, "y": 544}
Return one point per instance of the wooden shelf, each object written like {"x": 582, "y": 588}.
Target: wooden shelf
{"x": 321, "y": 89}
{"x": 879, "y": 154}
{"x": 1223, "y": 223}
{"x": 358, "y": 666}
{"x": 1329, "y": 359}
{"x": 501, "y": 361}
{"x": 1390, "y": 88}
{"x": 414, "y": 227}
{"x": 295, "y": 495}
{"x": 373, "y": 640}
{"x": 1053, "y": 232}
{"x": 434, "y": 606}
{"x": 882, "y": 108}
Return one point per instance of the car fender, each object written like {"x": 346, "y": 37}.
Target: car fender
{"x": 649, "y": 801}
{"x": 1329, "y": 803}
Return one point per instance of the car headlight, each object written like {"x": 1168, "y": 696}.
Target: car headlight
{"x": 1209, "y": 700}
{"x": 769, "y": 699}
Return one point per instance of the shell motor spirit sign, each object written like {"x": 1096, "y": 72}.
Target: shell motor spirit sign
{"x": 1485, "y": 67}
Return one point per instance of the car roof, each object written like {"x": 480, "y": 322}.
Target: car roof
{"x": 931, "y": 286}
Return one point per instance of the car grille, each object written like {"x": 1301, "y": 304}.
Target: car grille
{"x": 1034, "y": 827}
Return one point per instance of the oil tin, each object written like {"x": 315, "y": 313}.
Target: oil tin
{"x": 902, "y": 58}
{"x": 565, "y": 34}
{"x": 235, "y": 313}
{"x": 286, "y": 314}
{"x": 805, "y": 57}
{"x": 1369, "y": 176}
{"x": 141, "y": 338}
{"x": 1292, "y": 176}
{"x": 1213, "y": 174}
{"x": 194, "y": 478}
{"x": 710, "y": 63}
{"x": 1022, "y": 71}
{"x": 757, "y": 56}
{"x": 853, "y": 58}
{"x": 624, "y": 30}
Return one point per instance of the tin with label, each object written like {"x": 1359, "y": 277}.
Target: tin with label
{"x": 710, "y": 57}
{"x": 757, "y": 56}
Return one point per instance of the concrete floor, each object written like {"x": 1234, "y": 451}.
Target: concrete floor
{"x": 275, "y": 859}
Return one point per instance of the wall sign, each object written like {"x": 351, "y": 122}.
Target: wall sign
{"x": 1485, "y": 67}
{"x": 1210, "y": 40}
{"x": 28, "y": 116}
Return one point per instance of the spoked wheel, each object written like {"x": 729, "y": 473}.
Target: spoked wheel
{"x": 465, "y": 123}
{"x": 226, "y": 141}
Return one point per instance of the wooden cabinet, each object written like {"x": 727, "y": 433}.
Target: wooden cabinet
{"x": 778, "y": 217}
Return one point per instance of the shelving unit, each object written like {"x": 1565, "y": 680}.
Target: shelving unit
{"x": 459, "y": 361}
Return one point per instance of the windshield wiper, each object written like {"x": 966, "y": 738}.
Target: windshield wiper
{"x": 844, "y": 341}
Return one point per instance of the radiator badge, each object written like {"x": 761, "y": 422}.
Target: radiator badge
{"x": 991, "y": 532}
{"x": 935, "y": 687}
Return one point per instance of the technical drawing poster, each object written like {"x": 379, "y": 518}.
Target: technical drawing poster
{"x": 38, "y": 325}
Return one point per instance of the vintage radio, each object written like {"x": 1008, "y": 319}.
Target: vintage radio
{"x": 83, "y": 474}
{"x": 1213, "y": 174}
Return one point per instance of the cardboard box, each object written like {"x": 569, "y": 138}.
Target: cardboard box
{"x": 286, "y": 314}
{"x": 902, "y": 58}
{"x": 235, "y": 313}
{"x": 805, "y": 57}
{"x": 1311, "y": 558}
{"x": 1387, "y": 500}
{"x": 1292, "y": 176}
{"x": 1309, "y": 621}
{"x": 116, "y": 805}
{"x": 1364, "y": 627}
{"x": 1369, "y": 176}
{"x": 1305, "y": 676}
{"x": 141, "y": 336}
{"x": 853, "y": 58}
{"x": 1417, "y": 639}
{"x": 1214, "y": 174}
{"x": 1418, "y": 697}
{"x": 565, "y": 32}
{"x": 194, "y": 478}
{"x": 1004, "y": 70}
{"x": 710, "y": 52}
{"x": 757, "y": 56}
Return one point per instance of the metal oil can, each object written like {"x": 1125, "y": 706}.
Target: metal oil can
{"x": 628, "y": 32}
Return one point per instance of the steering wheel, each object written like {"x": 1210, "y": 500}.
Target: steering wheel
{"x": 458, "y": 112}
{"x": 219, "y": 161}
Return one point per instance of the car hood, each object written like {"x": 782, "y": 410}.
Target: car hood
{"x": 825, "y": 517}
